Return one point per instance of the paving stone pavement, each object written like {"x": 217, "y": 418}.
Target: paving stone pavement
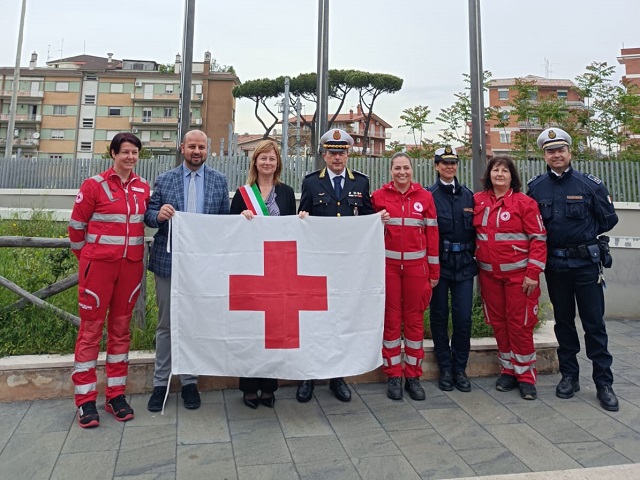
{"x": 449, "y": 435}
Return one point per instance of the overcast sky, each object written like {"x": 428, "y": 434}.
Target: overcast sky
{"x": 424, "y": 42}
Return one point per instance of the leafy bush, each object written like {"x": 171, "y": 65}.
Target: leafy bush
{"x": 478, "y": 327}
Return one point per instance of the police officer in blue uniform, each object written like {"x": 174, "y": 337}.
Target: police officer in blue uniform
{"x": 454, "y": 205}
{"x": 334, "y": 191}
{"x": 576, "y": 208}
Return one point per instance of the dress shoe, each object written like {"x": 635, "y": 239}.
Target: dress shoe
{"x": 506, "y": 383}
{"x": 251, "y": 400}
{"x": 157, "y": 399}
{"x": 191, "y": 396}
{"x": 394, "y": 388}
{"x": 608, "y": 399}
{"x": 340, "y": 389}
{"x": 268, "y": 399}
{"x": 445, "y": 383}
{"x": 412, "y": 385}
{"x": 528, "y": 391}
{"x": 567, "y": 387}
{"x": 461, "y": 382}
{"x": 305, "y": 391}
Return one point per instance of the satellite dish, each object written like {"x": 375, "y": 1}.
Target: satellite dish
{"x": 36, "y": 135}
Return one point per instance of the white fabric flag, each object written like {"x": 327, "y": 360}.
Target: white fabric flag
{"x": 276, "y": 297}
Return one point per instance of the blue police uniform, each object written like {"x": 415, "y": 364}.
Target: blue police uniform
{"x": 576, "y": 208}
{"x": 319, "y": 196}
{"x": 454, "y": 206}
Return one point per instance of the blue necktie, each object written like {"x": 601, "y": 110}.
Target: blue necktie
{"x": 191, "y": 193}
{"x": 337, "y": 185}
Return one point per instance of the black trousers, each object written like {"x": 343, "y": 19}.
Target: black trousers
{"x": 455, "y": 357}
{"x": 566, "y": 288}
{"x": 253, "y": 384}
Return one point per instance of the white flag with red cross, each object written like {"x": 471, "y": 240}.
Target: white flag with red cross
{"x": 276, "y": 297}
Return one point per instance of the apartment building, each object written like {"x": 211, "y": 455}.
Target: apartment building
{"x": 630, "y": 58}
{"x": 74, "y": 106}
{"x": 501, "y": 94}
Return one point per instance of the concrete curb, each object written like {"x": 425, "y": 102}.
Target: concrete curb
{"x": 613, "y": 472}
{"x": 34, "y": 377}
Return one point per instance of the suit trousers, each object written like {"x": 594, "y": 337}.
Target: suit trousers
{"x": 163, "y": 336}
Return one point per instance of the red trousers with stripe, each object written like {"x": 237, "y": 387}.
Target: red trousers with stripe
{"x": 408, "y": 292}
{"x": 512, "y": 315}
{"x": 103, "y": 287}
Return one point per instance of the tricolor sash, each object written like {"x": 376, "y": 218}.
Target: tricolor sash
{"x": 253, "y": 199}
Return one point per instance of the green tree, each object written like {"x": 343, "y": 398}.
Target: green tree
{"x": 523, "y": 109}
{"x": 260, "y": 92}
{"x": 416, "y": 119}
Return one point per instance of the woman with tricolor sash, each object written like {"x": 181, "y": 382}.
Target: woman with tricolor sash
{"x": 264, "y": 194}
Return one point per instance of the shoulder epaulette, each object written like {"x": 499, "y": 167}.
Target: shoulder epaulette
{"x": 593, "y": 178}
{"x": 313, "y": 173}
{"x": 357, "y": 173}
{"x": 533, "y": 178}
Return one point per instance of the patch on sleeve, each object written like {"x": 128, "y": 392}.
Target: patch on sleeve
{"x": 79, "y": 197}
{"x": 609, "y": 199}
{"x": 533, "y": 178}
{"x": 594, "y": 179}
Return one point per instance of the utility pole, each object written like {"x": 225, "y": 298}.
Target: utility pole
{"x": 285, "y": 119}
{"x": 298, "y": 107}
{"x": 184, "y": 119}
{"x": 322, "y": 86}
{"x": 478, "y": 140}
{"x": 16, "y": 86}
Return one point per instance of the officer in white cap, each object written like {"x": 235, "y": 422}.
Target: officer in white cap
{"x": 576, "y": 208}
{"x": 334, "y": 191}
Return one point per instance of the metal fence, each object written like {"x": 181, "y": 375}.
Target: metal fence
{"x": 622, "y": 178}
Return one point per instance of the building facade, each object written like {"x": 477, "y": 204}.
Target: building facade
{"x": 74, "y": 106}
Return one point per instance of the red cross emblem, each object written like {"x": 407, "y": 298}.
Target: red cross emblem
{"x": 280, "y": 293}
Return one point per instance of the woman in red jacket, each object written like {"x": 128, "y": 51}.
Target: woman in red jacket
{"x": 511, "y": 251}
{"x": 107, "y": 236}
{"x": 412, "y": 270}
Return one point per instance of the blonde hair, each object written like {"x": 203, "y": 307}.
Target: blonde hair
{"x": 263, "y": 147}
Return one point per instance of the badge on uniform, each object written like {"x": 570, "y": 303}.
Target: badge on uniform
{"x": 594, "y": 179}
{"x": 355, "y": 194}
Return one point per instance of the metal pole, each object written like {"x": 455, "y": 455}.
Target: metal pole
{"x": 285, "y": 119}
{"x": 323, "y": 76}
{"x": 184, "y": 119}
{"x": 478, "y": 140}
{"x": 298, "y": 108}
{"x": 16, "y": 86}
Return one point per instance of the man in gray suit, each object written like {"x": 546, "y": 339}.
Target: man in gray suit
{"x": 190, "y": 187}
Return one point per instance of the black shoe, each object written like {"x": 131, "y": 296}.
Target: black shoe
{"x": 506, "y": 383}
{"x": 528, "y": 391}
{"x": 305, "y": 391}
{"x": 394, "y": 388}
{"x": 608, "y": 399}
{"x": 446, "y": 381}
{"x": 340, "y": 389}
{"x": 461, "y": 382}
{"x": 157, "y": 399}
{"x": 268, "y": 399}
{"x": 412, "y": 385}
{"x": 191, "y": 396}
{"x": 251, "y": 402}
{"x": 119, "y": 408}
{"x": 567, "y": 387}
{"x": 88, "y": 415}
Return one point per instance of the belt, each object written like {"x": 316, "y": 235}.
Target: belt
{"x": 456, "y": 247}
{"x": 579, "y": 251}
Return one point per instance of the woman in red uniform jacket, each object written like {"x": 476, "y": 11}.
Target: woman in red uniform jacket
{"x": 106, "y": 231}
{"x": 511, "y": 251}
{"x": 412, "y": 270}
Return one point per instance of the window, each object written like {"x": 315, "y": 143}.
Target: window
{"x": 504, "y": 116}
{"x": 87, "y": 123}
{"x": 168, "y": 88}
{"x": 533, "y": 96}
{"x": 114, "y": 111}
{"x": 59, "y": 109}
{"x": 90, "y": 76}
{"x": 505, "y": 137}
{"x": 562, "y": 94}
{"x": 57, "y": 134}
{"x": 55, "y": 157}
{"x": 62, "y": 86}
{"x": 111, "y": 134}
{"x": 503, "y": 94}
{"x": 90, "y": 99}
{"x": 85, "y": 146}
{"x": 117, "y": 87}
{"x": 166, "y": 135}
{"x": 146, "y": 115}
{"x": 138, "y": 66}
{"x": 168, "y": 112}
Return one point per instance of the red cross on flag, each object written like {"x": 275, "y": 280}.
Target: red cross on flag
{"x": 276, "y": 297}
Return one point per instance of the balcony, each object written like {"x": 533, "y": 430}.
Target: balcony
{"x": 160, "y": 121}
{"x": 159, "y": 144}
{"x": 529, "y": 126}
{"x": 23, "y": 93}
{"x": 22, "y": 118}
{"x": 22, "y": 142}
{"x": 163, "y": 97}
